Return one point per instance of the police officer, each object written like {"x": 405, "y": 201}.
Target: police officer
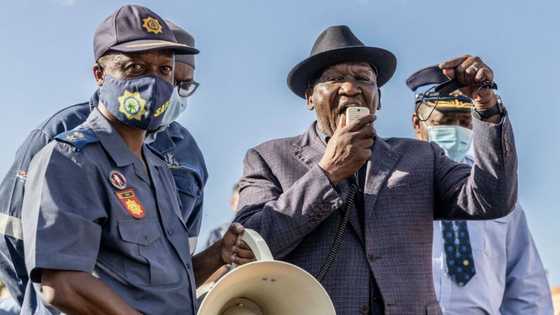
{"x": 99, "y": 201}
{"x": 173, "y": 142}
{"x": 479, "y": 267}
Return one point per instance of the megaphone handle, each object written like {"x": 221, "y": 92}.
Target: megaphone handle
{"x": 257, "y": 245}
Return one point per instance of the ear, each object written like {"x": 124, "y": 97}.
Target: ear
{"x": 309, "y": 99}
{"x": 416, "y": 124}
{"x": 98, "y": 74}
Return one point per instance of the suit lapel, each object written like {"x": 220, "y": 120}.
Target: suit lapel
{"x": 309, "y": 148}
{"x": 380, "y": 166}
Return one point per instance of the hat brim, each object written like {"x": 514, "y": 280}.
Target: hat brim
{"x": 151, "y": 44}
{"x": 310, "y": 69}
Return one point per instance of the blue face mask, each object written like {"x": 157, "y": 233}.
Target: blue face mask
{"x": 140, "y": 102}
{"x": 176, "y": 108}
{"x": 454, "y": 140}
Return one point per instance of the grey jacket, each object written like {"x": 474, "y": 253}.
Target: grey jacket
{"x": 288, "y": 199}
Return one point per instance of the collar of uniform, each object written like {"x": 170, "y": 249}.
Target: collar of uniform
{"x": 94, "y": 100}
{"x": 152, "y": 155}
{"x": 174, "y": 130}
{"x": 110, "y": 139}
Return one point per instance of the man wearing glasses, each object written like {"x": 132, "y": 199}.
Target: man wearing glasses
{"x": 173, "y": 142}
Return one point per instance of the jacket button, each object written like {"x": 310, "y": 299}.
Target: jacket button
{"x": 170, "y": 231}
{"x": 364, "y": 309}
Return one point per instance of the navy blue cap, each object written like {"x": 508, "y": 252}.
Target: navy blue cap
{"x": 426, "y": 76}
{"x": 134, "y": 28}
{"x": 182, "y": 37}
{"x": 438, "y": 96}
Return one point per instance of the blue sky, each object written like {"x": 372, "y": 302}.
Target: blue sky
{"x": 249, "y": 46}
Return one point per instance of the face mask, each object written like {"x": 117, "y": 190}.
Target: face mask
{"x": 454, "y": 140}
{"x": 177, "y": 106}
{"x": 140, "y": 102}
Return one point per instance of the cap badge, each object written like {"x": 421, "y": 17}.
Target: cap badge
{"x": 132, "y": 105}
{"x": 117, "y": 180}
{"x": 152, "y": 25}
{"x": 131, "y": 203}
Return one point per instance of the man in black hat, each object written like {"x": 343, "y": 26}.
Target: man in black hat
{"x": 104, "y": 230}
{"x": 356, "y": 210}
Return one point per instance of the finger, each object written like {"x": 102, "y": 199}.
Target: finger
{"x": 484, "y": 74}
{"x": 366, "y": 132}
{"x": 243, "y": 253}
{"x": 365, "y": 143}
{"x": 449, "y": 64}
{"x": 364, "y": 154}
{"x": 341, "y": 122}
{"x": 242, "y": 261}
{"x": 236, "y": 228}
{"x": 360, "y": 123}
{"x": 242, "y": 245}
{"x": 450, "y": 73}
{"x": 460, "y": 72}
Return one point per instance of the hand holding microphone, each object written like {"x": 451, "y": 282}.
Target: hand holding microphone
{"x": 350, "y": 146}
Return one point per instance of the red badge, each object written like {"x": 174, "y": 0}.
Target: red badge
{"x": 131, "y": 203}
{"x": 117, "y": 180}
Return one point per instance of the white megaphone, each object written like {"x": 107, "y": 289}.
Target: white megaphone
{"x": 266, "y": 287}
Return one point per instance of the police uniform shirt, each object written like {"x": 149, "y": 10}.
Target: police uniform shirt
{"x": 174, "y": 144}
{"x": 92, "y": 206}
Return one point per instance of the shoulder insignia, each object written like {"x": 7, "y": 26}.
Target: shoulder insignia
{"x": 78, "y": 138}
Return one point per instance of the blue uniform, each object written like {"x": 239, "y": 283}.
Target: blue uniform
{"x": 174, "y": 144}
{"x": 91, "y": 205}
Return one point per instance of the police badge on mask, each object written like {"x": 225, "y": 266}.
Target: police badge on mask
{"x": 140, "y": 102}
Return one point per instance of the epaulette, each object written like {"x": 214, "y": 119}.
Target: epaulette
{"x": 78, "y": 138}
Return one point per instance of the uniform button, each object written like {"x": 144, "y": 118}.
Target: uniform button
{"x": 170, "y": 232}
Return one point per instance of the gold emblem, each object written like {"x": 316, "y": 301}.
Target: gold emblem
{"x": 132, "y": 105}
{"x": 131, "y": 203}
{"x": 162, "y": 109}
{"x": 152, "y": 25}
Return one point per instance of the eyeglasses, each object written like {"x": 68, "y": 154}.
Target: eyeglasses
{"x": 434, "y": 100}
{"x": 187, "y": 88}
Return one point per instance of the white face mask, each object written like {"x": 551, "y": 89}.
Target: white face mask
{"x": 177, "y": 106}
{"x": 454, "y": 140}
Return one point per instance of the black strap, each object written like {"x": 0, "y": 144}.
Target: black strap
{"x": 337, "y": 242}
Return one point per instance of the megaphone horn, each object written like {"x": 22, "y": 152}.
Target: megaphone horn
{"x": 266, "y": 287}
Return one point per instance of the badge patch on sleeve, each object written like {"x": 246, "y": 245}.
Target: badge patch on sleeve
{"x": 130, "y": 202}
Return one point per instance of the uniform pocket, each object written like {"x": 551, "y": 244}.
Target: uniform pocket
{"x": 150, "y": 263}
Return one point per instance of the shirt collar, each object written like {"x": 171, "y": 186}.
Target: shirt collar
{"x": 110, "y": 139}
{"x": 94, "y": 100}
{"x": 323, "y": 136}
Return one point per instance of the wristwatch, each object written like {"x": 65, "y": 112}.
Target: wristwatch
{"x": 494, "y": 110}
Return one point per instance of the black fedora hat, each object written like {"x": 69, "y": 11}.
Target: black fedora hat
{"x": 335, "y": 45}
